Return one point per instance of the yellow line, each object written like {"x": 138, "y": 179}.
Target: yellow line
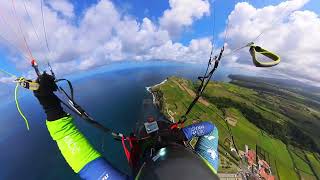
{"x": 18, "y": 106}
{"x": 5, "y": 72}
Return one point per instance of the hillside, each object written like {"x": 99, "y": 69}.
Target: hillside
{"x": 283, "y": 126}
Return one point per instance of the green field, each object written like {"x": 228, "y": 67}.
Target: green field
{"x": 256, "y": 118}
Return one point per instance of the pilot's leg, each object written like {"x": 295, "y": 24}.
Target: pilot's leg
{"x": 207, "y": 147}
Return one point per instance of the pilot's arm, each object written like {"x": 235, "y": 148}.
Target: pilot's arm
{"x": 75, "y": 148}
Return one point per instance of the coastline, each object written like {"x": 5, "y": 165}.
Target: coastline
{"x": 149, "y": 90}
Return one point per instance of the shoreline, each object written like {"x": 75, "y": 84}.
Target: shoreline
{"x": 149, "y": 89}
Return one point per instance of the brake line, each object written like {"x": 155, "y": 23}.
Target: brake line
{"x": 21, "y": 31}
{"x": 46, "y": 39}
{"x": 44, "y": 26}
{"x": 33, "y": 26}
{"x": 74, "y": 107}
{"x": 18, "y": 106}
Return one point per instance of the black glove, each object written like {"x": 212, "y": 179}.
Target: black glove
{"x": 49, "y": 101}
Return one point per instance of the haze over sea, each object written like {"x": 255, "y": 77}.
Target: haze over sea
{"x": 113, "y": 95}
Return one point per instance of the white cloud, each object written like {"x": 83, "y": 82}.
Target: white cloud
{"x": 288, "y": 31}
{"x": 62, "y": 6}
{"x": 102, "y": 35}
{"x": 182, "y": 13}
{"x": 197, "y": 51}
{"x": 7, "y": 79}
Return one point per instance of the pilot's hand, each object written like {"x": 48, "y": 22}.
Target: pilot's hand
{"x": 47, "y": 85}
{"x": 49, "y": 101}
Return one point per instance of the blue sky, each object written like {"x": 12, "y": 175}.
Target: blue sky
{"x": 199, "y": 30}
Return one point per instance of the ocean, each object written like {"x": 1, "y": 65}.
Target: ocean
{"x": 113, "y": 96}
